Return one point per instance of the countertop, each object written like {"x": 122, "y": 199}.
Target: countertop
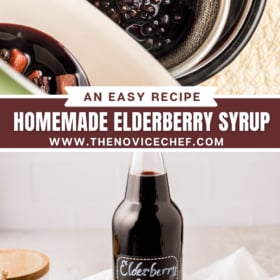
{"x": 77, "y": 254}
{"x": 256, "y": 69}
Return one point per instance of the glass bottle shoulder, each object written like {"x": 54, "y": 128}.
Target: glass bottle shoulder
{"x": 129, "y": 212}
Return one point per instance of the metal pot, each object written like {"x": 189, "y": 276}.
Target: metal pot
{"x": 243, "y": 19}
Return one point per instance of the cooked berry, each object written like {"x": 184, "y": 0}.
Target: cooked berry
{"x": 105, "y": 4}
{"x": 96, "y": 4}
{"x": 43, "y": 83}
{"x": 164, "y": 20}
{"x": 132, "y": 13}
{"x": 155, "y": 1}
{"x": 159, "y": 25}
{"x": 160, "y": 30}
{"x": 116, "y": 18}
{"x": 149, "y": 9}
{"x": 148, "y": 43}
{"x": 158, "y": 45}
{"x": 146, "y": 30}
{"x": 166, "y": 2}
{"x": 125, "y": 8}
{"x": 155, "y": 23}
{"x": 5, "y": 54}
{"x": 177, "y": 18}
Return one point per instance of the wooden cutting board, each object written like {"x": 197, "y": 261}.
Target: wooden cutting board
{"x": 22, "y": 264}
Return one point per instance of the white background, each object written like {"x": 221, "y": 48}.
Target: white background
{"x": 81, "y": 190}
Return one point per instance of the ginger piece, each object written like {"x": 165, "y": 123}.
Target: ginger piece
{"x": 18, "y": 60}
{"x": 63, "y": 81}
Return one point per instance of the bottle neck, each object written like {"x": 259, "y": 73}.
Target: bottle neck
{"x": 147, "y": 163}
{"x": 147, "y": 188}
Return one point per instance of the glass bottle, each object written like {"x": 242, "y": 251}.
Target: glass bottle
{"x": 147, "y": 225}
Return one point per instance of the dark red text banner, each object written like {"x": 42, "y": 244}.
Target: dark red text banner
{"x": 234, "y": 123}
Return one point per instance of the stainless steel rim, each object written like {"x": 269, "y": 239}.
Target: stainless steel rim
{"x": 182, "y": 68}
{"x": 232, "y": 36}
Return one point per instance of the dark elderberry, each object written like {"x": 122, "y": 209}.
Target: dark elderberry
{"x": 159, "y": 25}
{"x": 5, "y": 54}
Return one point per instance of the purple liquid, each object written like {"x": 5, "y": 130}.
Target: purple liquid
{"x": 44, "y": 52}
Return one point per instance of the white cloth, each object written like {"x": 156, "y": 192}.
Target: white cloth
{"x": 238, "y": 266}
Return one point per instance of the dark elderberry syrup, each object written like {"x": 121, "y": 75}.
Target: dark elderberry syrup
{"x": 147, "y": 225}
{"x": 159, "y": 25}
{"x": 39, "y": 57}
